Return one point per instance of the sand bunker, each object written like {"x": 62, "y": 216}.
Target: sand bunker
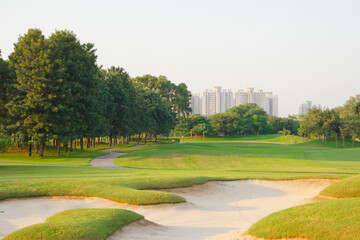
{"x": 213, "y": 211}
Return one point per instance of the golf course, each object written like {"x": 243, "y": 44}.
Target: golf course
{"x": 317, "y": 184}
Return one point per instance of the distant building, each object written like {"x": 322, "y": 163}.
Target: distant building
{"x": 196, "y": 103}
{"x": 218, "y": 101}
{"x": 305, "y": 107}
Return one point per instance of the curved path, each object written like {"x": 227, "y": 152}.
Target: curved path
{"x": 107, "y": 161}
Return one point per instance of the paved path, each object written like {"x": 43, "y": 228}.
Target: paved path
{"x": 107, "y": 161}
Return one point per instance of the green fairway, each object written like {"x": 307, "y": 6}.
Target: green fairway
{"x": 80, "y": 224}
{"x": 326, "y": 220}
{"x": 244, "y": 156}
{"x": 179, "y": 165}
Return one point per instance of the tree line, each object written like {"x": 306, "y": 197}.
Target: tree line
{"x": 248, "y": 119}
{"x": 341, "y": 121}
{"x": 52, "y": 89}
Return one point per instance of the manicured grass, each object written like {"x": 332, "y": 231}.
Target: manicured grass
{"x": 326, "y": 220}
{"x": 75, "y": 158}
{"x": 273, "y": 138}
{"x": 178, "y": 165}
{"x": 347, "y": 188}
{"x": 243, "y": 156}
{"x": 80, "y": 224}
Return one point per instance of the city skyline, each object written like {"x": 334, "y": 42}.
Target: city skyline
{"x": 218, "y": 100}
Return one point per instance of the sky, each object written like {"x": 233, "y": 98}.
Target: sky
{"x": 299, "y": 49}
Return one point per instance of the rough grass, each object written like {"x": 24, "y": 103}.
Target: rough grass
{"x": 80, "y": 224}
{"x": 326, "y": 220}
{"x": 347, "y": 188}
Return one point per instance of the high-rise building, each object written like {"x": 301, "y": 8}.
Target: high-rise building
{"x": 196, "y": 103}
{"x": 206, "y": 98}
{"x": 241, "y": 97}
{"x": 273, "y": 104}
{"x": 218, "y": 101}
{"x": 262, "y": 100}
{"x": 305, "y": 107}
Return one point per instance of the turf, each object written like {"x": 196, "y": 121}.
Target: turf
{"x": 80, "y": 224}
{"x": 75, "y": 158}
{"x": 195, "y": 161}
{"x": 326, "y": 220}
{"x": 244, "y": 156}
{"x": 347, "y": 188}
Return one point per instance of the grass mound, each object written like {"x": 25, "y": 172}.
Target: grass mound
{"x": 84, "y": 223}
{"x": 346, "y": 188}
{"x": 326, "y": 220}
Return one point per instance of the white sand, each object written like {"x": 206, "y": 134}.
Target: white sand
{"x": 214, "y": 211}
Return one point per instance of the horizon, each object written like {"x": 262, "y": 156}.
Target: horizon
{"x": 299, "y": 50}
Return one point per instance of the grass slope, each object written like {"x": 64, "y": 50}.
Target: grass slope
{"x": 346, "y": 188}
{"x": 80, "y": 224}
{"x": 326, "y": 220}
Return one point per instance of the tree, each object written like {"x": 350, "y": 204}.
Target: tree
{"x": 31, "y": 108}
{"x": 202, "y": 128}
{"x": 350, "y": 117}
{"x": 7, "y": 80}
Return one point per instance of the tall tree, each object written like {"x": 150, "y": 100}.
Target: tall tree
{"x": 32, "y": 107}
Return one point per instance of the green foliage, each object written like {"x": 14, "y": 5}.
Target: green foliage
{"x": 188, "y": 123}
{"x": 4, "y": 142}
{"x": 241, "y": 120}
{"x": 276, "y": 124}
{"x": 83, "y": 223}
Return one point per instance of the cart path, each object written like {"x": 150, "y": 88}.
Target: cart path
{"x": 107, "y": 161}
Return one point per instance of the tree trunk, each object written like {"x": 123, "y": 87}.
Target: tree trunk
{"x": 127, "y": 139}
{"x": 71, "y": 145}
{"x": 94, "y": 142}
{"x": 54, "y": 143}
{"x": 145, "y": 138}
{"x": 37, "y": 147}
{"x": 81, "y": 143}
{"x": 58, "y": 144}
{"x": 123, "y": 140}
{"x": 66, "y": 146}
{"x": 138, "y": 140}
{"x": 42, "y": 147}
{"x": 336, "y": 140}
{"x": 30, "y": 148}
{"x": 343, "y": 140}
{"x": 87, "y": 143}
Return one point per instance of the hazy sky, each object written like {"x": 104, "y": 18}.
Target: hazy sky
{"x": 300, "y": 49}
